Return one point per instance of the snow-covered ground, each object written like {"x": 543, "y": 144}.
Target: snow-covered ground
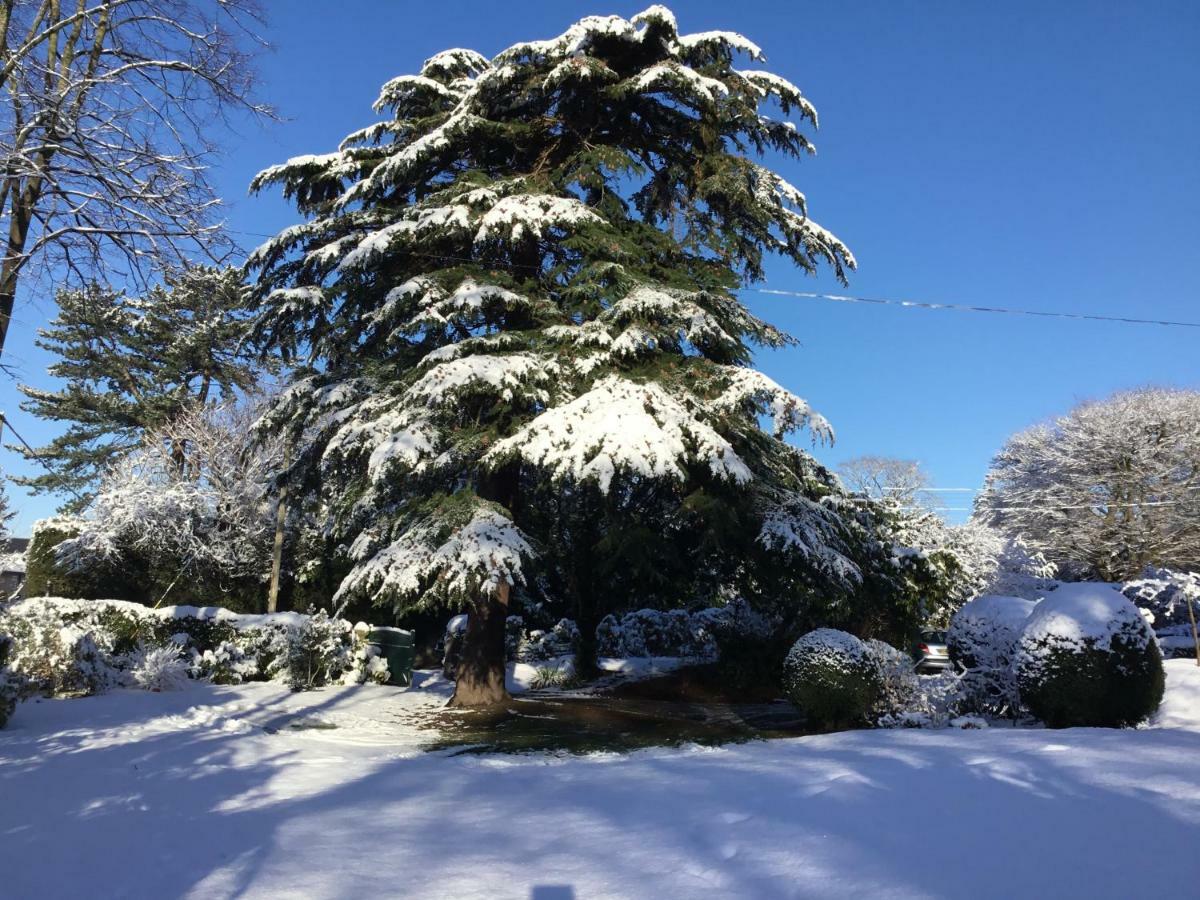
{"x": 215, "y": 792}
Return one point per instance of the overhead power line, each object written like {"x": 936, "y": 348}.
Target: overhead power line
{"x": 963, "y": 307}
{"x": 876, "y": 301}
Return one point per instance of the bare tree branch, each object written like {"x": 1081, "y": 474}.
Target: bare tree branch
{"x": 105, "y": 133}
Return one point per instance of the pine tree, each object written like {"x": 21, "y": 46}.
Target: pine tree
{"x": 526, "y": 366}
{"x": 135, "y": 363}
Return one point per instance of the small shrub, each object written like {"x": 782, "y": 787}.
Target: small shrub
{"x": 160, "y": 669}
{"x": 899, "y": 685}
{"x": 318, "y": 652}
{"x": 562, "y": 677}
{"x": 1086, "y": 657}
{"x": 833, "y": 678}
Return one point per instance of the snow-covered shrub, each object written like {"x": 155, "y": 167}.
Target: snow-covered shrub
{"x": 160, "y": 669}
{"x": 1087, "y": 657}
{"x": 982, "y": 638}
{"x": 56, "y": 655}
{"x": 833, "y": 678}
{"x": 561, "y": 640}
{"x": 318, "y": 652}
{"x": 86, "y": 646}
{"x": 651, "y": 632}
{"x": 369, "y": 663}
{"x": 900, "y": 685}
{"x": 12, "y": 685}
{"x": 1165, "y": 594}
{"x": 228, "y": 663}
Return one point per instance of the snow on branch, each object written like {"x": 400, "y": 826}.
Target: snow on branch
{"x": 751, "y": 391}
{"x": 450, "y": 561}
{"x": 506, "y": 376}
{"x": 810, "y": 529}
{"x": 621, "y": 426}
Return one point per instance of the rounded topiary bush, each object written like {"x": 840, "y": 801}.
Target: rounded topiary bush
{"x": 833, "y": 678}
{"x": 1086, "y": 657}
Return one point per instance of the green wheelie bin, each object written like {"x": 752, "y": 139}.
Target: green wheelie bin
{"x": 397, "y": 647}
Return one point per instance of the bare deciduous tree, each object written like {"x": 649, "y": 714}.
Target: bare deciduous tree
{"x": 885, "y": 478}
{"x": 106, "y": 133}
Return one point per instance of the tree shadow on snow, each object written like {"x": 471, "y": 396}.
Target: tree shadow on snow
{"x": 986, "y": 814}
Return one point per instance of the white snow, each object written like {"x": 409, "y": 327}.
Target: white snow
{"x": 255, "y": 792}
{"x": 621, "y": 426}
{"x": 482, "y": 553}
{"x": 1085, "y": 610}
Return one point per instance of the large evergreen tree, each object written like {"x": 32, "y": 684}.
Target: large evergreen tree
{"x": 527, "y": 368}
{"x": 130, "y": 364}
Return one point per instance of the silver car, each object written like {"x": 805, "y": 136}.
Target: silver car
{"x": 931, "y": 654}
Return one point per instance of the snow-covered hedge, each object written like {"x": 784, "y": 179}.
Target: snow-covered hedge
{"x": 1087, "y": 656}
{"x": 982, "y": 638}
{"x": 1163, "y": 595}
{"x": 77, "y": 647}
{"x": 833, "y": 677}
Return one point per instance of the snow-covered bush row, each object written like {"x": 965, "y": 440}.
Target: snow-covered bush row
{"x": 1163, "y": 595}
{"x": 833, "y": 678}
{"x": 700, "y": 634}
{"x": 1087, "y": 656}
{"x": 536, "y": 644}
{"x": 73, "y": 647}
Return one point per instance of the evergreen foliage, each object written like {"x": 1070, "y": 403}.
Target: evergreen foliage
{"x": 1087, "y": 657}
{"x": 46, "y": 575}
{"x": 130, "y": 364}
{"x": 833, "y": 678}
{"x": 521, "y": 361}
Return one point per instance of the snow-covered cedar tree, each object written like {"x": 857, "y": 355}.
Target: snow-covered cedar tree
{"x": 133, "y": 364}
{"x": 982, "y": 639}
{"x": 1087, "y": 657}
{"x": 190, "y": 515}
{"x": 833, "y": 678}
{"x": 522, "y": 369}
{"x": 1170, "y": 600}
{"x": 1106, "y": 489}
{"x": 6, "y": 512}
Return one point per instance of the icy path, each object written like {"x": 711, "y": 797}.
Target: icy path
{"x": 211, "y": 793}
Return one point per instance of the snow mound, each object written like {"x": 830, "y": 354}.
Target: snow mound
{"x": 1086, "y": 613}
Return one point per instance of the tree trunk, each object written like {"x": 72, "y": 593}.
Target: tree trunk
{"x": 277, "y": 553}
{"x": 480, "y": 676}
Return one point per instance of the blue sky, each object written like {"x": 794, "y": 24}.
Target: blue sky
{"x": 1027, "y": 154}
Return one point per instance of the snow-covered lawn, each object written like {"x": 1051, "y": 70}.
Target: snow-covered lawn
{"x": 212, "y": 792}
